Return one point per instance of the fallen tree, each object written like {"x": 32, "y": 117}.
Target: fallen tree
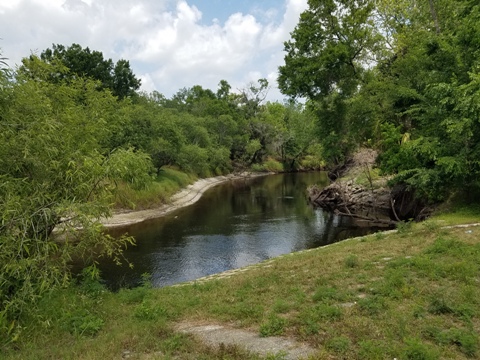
{"x": 376, "y": 202}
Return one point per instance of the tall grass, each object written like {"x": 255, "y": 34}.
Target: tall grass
{"x": 168, "y": 182}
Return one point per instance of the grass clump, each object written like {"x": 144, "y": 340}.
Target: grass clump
{"x": 270, "y": 165}
{"x": 404, "y": 227}
{"x": 351, "y": 261}
{"x": 466, "y": 340}
{"x": 416, "y": 349}
{"x": 82, "y": 322}
{"x": 323, "y": 293}
{"x": 157, "y": 193}
{"x": 339, "y": 345}
{"x": 274, "y": 326}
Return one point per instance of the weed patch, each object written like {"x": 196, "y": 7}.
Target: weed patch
{"x": 148, "y": 310}
{"x": 415, "y": 349}
{"x": 339, "y": 345}
{"x": 373, "y": 350}
{"x": 404, "y": 227}
{"x": 274, "y": 326}
{"x": 372, "y": 305}
{"x": 82, "y": 322}
{"x": 466, "y": 340}
{"x": 351, "y": 261}
{"x": 324, "y": 293}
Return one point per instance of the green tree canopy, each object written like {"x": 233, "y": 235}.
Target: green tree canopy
{"x": 397, "y": 75}
{"x": 84, "y": 63}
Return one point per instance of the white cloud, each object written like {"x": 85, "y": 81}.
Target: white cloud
{"x": 165, "y": 41}
{"x": 148, "y": 84}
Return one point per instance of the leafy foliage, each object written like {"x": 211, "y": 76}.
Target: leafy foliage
{"x": 55, "y": 175}
{"x": 400, "y": 77}
{"x": 84, "y": 63}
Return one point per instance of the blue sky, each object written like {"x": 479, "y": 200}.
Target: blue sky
{"x": 222, "y": 9}
{"x": 171, "y": 44}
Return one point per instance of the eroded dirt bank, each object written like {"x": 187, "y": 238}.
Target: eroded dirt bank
{"x": 373, "y": 200}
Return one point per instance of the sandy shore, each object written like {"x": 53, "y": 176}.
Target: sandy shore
{"x": 187, "y": 196}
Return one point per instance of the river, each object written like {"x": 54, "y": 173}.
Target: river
{"x": 233, "y": 225}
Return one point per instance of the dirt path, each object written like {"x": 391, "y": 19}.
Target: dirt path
{"x": 215, "y": 335}
{"x": 185, "y": 197}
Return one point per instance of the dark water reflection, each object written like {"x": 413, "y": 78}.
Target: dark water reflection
{"x": 233, "y": 225}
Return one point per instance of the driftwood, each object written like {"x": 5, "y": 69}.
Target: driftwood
{"x": 388, "y": 222}
{"x": 349, "y": 197}
{"x": 381, "y": 205}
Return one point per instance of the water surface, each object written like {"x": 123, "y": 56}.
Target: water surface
{"x": 235, "y": 224}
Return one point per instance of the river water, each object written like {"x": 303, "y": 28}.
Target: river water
{"x": 233, "y": 225}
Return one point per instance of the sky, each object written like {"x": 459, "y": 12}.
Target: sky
{"x": 170, "y": 44}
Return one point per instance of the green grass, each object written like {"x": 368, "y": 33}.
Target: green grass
{"x": 414, "y": 294}
{"x": 167, "y": 183}
{"x": 364, "y": 175}
{"x": 460, "y": 208}
{"x": 270, "y": 165}
{"x": 459, "y": 215}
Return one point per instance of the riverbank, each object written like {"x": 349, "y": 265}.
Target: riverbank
{"x": 358, "y": 191}
{"x": 189, "y": 195}
{"x": 407, "y": 294}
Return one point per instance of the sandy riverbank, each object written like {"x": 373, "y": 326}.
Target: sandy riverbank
{"x": 185, "y": 197}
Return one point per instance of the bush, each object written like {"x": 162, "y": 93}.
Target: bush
{"x": 271, "y": 165}
{"x": 194, "y": 159}
{"x": 312, "y": 162}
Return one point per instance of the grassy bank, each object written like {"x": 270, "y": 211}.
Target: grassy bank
{"x": 168, "y": 182}
{"x": 413, "y": 294}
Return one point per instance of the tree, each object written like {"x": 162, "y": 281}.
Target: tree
{"x": 300, "y": 137}
{"x": 55, "y": 177}
{"x": 329, "y": 49}
{"x": 3, "y": 64}
{"x": 81, "y": 62}
{"x": 325, "y": 62}
{"x": 223, "y": 91}
{"x": 398, "y": 75}
{"x": 430, "y": 127}
{"x": 252, "y": 96}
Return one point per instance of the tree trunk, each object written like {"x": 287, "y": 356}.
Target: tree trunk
{"x": 435, "y": 17}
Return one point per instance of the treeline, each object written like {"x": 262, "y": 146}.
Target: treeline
{"x": 74, "y": 127}
{"x": 401, "y": 76}
{"x": 201, "y": 131}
